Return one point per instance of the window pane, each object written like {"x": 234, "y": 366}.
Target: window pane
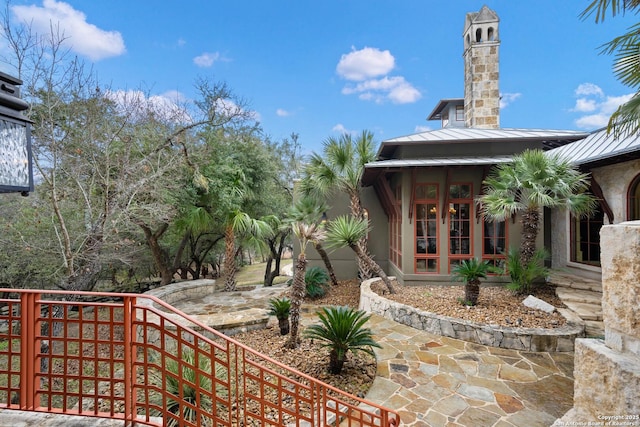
{"x": 426, "y": 266}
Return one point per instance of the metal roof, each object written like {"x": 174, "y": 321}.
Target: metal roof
{"x": 452, "y": 135}
{"x": 598, "y": 147}
{"x": 439, "y": 161}
{"x": 463, "y": 134}
{"x": 436, "y": 114}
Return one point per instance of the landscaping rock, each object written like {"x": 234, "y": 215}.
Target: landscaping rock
{"x": 538, "y": 304}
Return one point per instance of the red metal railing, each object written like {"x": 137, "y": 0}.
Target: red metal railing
{"x": 64, "y": 352}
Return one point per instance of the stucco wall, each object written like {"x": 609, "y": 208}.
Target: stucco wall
{"x": 343, "y": 260}
{"x": 614, "y": 181}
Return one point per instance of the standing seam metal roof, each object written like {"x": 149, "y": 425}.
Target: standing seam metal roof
{"x": 599, "y": 145}
{"x": 453, "y": 134}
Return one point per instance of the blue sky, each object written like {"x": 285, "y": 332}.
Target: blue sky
{"x": 325, "y": 67}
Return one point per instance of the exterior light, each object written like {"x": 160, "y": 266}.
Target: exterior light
{"x": 16, "y": 173}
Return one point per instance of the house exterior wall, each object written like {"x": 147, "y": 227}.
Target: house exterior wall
{"x": 614, "y": 181}
{"x": 406, "y": 272}
{"x": 344, "y": 259}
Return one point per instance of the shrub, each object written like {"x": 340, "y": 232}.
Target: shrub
{"x": 524, "y": 277}
{"x": 281, "y": 308}
{"x": 342, "y": 330}
{"x": 471, "y": 271}
{"x": 316, "y": 281}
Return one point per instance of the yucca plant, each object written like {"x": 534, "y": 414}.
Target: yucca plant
{"x": 342, "y": 330}
{"x": 470, "y": 271}
{"x": 281, "y": 308}
{"x": 316, "y": 280}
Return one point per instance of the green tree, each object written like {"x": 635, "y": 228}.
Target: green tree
{"x": 305, "y": 234}
{"x": 531, "y": 181}
{"x": 626, "y": 51}
{"x": 346, "y": 231}
{"x": 470, "y": 271}
{"x": 239, "y": 225}
{"x": 342, "y": 330}
{"x": 340, "y": 168}
{"x": 310, "y": 210}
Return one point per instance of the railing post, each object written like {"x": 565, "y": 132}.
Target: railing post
{"x": 28, "y": 343}
{"x": 128, "y": 305}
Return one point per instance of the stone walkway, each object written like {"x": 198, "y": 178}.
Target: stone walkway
{"x": 438, "y": 381}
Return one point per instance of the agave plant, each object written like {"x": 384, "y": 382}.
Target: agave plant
{"x": 281, "y": 308}
{"x": 342, "y": 330}
{"x": 471, "y": 271}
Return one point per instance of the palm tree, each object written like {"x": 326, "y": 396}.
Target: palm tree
{"x": 342, "y": 330}
{"x": 310, "y": 210}
{"x": 471, "y": 271}
{"x": 531, "y": 181}
{"x": 340, "y": 168}
{"x": 252, "y": 231}
{"x": 346, "y": 231}
{"x": 305, "y": 234}
{"x": 625, "y": 48}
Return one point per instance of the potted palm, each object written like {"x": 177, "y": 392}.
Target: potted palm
{"x": 471, "y": 271}
{"x": 281, "y": 308}
{"x": 342, "y": 330}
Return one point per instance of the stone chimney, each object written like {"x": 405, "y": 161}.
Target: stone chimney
{"x": 481, "y": 76}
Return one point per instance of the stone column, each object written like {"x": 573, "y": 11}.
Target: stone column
{"x": 607, "y": 373}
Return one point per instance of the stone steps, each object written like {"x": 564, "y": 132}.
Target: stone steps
{"x": 583, "y": 296}
{"x": 564, "y": 280}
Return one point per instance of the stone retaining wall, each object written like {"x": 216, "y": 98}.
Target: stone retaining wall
{"x": 529, "y": 339}
{"x": 229, "y": 323}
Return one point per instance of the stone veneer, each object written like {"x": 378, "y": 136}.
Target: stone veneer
{"x": 528, "y": 339}
{"x": 607, "y": 374}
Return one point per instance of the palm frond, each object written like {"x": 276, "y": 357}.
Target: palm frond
{"x": 346, "y": 231}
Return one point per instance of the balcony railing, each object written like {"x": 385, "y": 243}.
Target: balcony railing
{"x": 107, "y": 355}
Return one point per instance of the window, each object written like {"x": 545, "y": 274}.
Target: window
{"x": 460, "y": 113}
{"x": 395, "y": 230}
{"x": 494, "y": 241}
{"x": 426, "y": 228}
{"x": 633, "y": 200}
{"x": 459, "y": 222}
{"x": 445, "y": 119}
{"x": 585, "y": 238}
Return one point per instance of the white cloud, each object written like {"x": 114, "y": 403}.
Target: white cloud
{"x": 592, "y": 99}
{"x": 422, "y": 128}
{"x": 364, "y": 64}
{"x": 508, "y": 98}
{"x": 588, "y": 89}
{"x": 395, "y": 89}
{"x": 282, "y": 113}
{"x": 585, "y": 105}
{"x": 339, "y": 128}
{"x": 206, "y": 59}
{"x": 82, "y": 37}
{"x": 593, "y": 121}
{"x": 611, "y": 103}
{"x": 166, "y": 106}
